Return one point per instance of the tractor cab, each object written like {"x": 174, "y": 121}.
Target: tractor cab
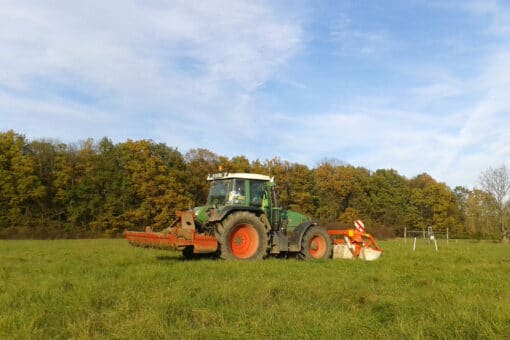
{"x": 239, "y": 189}
{"x": 242, "y": 191}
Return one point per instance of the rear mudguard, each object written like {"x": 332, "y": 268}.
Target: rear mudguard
{"x": 296, "y": 237}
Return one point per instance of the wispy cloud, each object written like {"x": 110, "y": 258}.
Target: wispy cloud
{"x": 356, "y": 41}
{"x": 377, "y": 138}
{"x": 165, "y": 59}
{"x": 439, "y": 90}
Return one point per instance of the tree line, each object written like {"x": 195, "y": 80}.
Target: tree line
{"x": 98, "y": 188}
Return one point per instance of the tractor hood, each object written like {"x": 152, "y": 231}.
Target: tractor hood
{"x": 201, "y": 214}
{"x": 294, "y": 219}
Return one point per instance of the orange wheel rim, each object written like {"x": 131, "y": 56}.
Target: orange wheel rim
{"x": 317, "y": 247}
{"x": 244, "y": 241}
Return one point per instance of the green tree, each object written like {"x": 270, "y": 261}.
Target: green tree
{"x": 390, "y": 196}
{"x": 112, "y": 187}
{"x": 258, "y": 167}
{"x": 239, "y": 164}
{"x": 21, "y": 190}
{"x": 481, "y": 216}
{"x": 200, "y": 162}
{"x": 75, "y": 184}
{"x": 300, "y": 189}
{"x": 339, "y": 188}
{"x": 280, "y": 171}
{"x": 434, "y": 203}
{"x": 461, "y": 198}
{"x": 44, "y": 153}
{"x": 155, "y": 185}
{"x": 328, "y": 193}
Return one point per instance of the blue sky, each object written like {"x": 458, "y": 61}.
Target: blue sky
{"x": 417, "y": 86}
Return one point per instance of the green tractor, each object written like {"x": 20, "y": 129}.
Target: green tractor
{"x": 241, "y": 221}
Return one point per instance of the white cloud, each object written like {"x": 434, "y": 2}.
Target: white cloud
{"x": 378, "y": 138}
{"x": 160, "y": 58}
{"x": 484, "y": 139}
{"x": 439, "y": 90}
{"x": 352, "y": 41}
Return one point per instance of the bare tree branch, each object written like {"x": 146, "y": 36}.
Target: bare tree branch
{"x": 496, "y": 182}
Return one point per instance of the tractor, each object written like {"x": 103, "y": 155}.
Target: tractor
{"x": 240, "y": 221}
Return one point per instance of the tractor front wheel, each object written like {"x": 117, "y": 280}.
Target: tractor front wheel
{"x": 242, "y": 236}
{"x": 316, "y": 244}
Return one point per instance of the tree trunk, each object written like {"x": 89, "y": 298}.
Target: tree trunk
{"x": 504, "y": 237}
{"x": 504, "y": 231}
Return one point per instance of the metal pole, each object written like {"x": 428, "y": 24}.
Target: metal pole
{"x": 414, "y": 244}
{"x": 447, "y": 237}
{"x": 405, "y": 235}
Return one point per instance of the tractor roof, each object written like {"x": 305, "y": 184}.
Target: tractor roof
{"x": 239, "y": 175}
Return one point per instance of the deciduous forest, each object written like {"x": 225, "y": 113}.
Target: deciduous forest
{"x": 49, "y": 189}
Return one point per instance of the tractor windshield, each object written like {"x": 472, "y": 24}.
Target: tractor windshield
{"x": 220, "y": 189}
{"x": 227, "y": 192}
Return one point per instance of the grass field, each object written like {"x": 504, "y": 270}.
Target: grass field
{"x": 108, "y": 289}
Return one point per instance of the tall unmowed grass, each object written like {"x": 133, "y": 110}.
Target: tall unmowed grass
{"x": 108, "y": 289}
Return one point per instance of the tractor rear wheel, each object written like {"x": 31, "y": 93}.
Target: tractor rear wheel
{"x": 242, "y": 236}
{"x": 316, "y": 244}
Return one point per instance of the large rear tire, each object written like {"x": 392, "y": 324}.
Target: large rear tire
{"x": 242, "y": 236}
{"x": 316, "y": 244}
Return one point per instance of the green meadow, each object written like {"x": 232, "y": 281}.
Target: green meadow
{"x": 104, "y": 288}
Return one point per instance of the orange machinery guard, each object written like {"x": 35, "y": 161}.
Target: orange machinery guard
{"x": 352, "y": 237}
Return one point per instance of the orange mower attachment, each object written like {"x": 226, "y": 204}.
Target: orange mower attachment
{"x": 352, "y": 243}
{"x": 180, "y": 235}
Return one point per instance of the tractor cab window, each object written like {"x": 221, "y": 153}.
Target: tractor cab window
{"x": 219, "y": 192}
{"x": 227, "y": 192}
{"x": 237, "y": 194}
{"x": 257, "y": 193}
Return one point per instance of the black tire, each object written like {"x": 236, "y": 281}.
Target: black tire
{"x": 316, "y": 244}
{"x": 242, "y": 236}
{"x": 188, "y": 253}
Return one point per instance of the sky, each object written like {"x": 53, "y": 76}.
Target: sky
{"x": 412, "y": 85}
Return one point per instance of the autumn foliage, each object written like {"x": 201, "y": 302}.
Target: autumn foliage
{"x": 50, "y": 189}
